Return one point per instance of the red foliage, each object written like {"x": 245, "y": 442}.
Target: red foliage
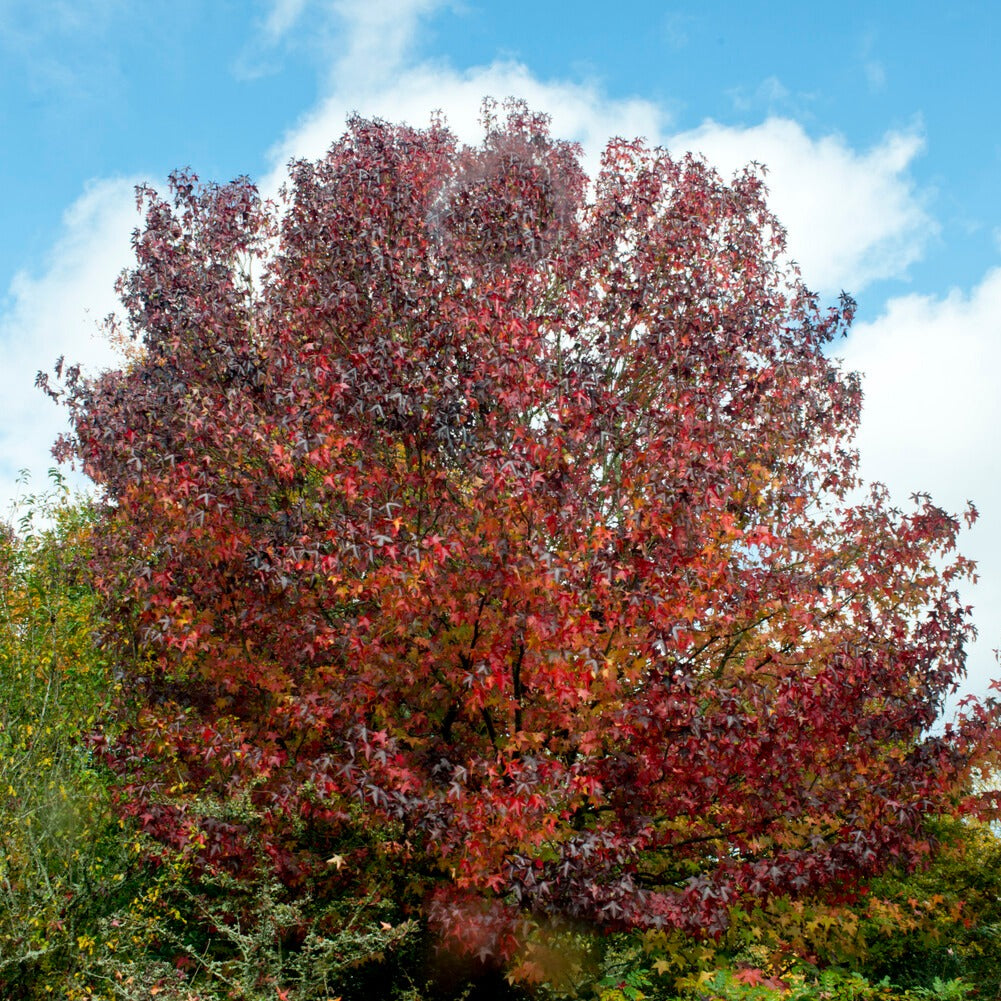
{"x": 524, "y": 514}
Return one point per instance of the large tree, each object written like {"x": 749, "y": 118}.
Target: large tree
{"x": 520, "y": 510}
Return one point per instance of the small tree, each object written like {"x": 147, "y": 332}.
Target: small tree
{"x": 522, "y": 514}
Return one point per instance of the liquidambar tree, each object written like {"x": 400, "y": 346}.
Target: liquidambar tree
{"x": 521, "y": 512}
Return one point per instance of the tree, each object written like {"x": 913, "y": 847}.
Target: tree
{"x": 522, "y": 514}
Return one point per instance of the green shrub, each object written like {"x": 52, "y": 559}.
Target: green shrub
{"x": 943, "y": 922}
{"x": 63, "y": 860}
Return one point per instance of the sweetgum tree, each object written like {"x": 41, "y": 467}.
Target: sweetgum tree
{"x": 520, "y": 512}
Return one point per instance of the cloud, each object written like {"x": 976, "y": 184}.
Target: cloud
{"x": 261, "y": 54}
{"x": 580, "y": 111}
{"x": 354, "y": 39}
{"x": 281, "y": 17}
{"x": 379, "y": 34}
{"x": 58, "y": 312}
{"x": 930, "y": 423}
{"x": 852, "y": 217}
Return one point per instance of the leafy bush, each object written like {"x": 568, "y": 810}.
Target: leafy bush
{"x": 942, "y": 921}
{"x": 63, "y": 861}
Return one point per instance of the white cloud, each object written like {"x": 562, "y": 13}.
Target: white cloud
{"x": 361, "y": 40}
{"x": 378, "y": 36}
{"x": 282, "y": 16}
{"x": 580, "y": 111}
{"x": 930, "y": 423}
{"x": 58, "y": 312}
{"x": 852, "y": 217}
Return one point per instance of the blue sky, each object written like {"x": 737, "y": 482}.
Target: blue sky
{"x": 881, "y": 124}
{"x": 102, "y": 88}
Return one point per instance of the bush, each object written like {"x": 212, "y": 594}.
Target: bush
{"x": 943, "y": 921}
{"x": 64, "y": 861}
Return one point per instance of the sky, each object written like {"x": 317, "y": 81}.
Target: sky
{"x": 880, "y": 125}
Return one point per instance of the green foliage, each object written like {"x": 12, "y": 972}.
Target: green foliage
{"x": 729, "y": 981}
{"x": 62, "y": 860}
{"x": 629, "y": 987}
{"x": 946, "y": 990}
{"x": 941, "y": 922}
{"x": 935, "y": 932}
{"x": 200, "y": 938}
{"x": 930, "y": 934}
{"x": 749, "y": 984}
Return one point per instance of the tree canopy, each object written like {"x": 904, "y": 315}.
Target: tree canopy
{"x": 515, "y": 512}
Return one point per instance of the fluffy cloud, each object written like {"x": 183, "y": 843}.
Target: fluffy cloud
{"x": 930, "y": 421}
{"x": 58, "y": 312}
{"x": 580, "y": 111}
{"x": 852, "y": 217}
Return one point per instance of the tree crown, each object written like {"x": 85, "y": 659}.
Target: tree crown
{"x": 521, "y": 510}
